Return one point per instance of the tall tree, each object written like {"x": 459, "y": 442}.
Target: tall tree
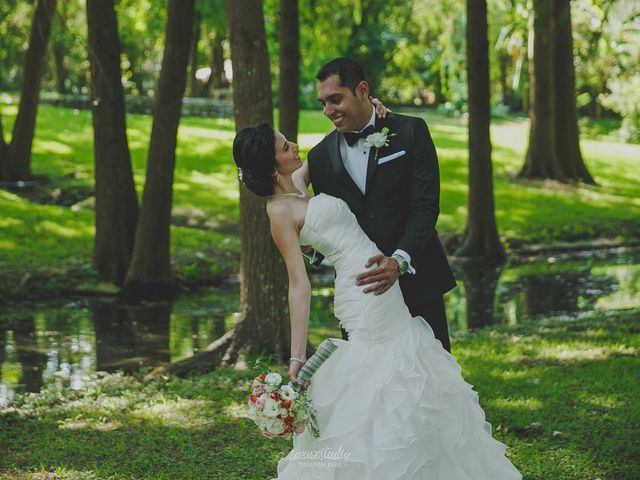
{"x": 289, "y": 69}
{"x": 3, "y": 147}
{"x": 217, "y": 78}
{"x": 150, "y": 271}
{"x": 116, "y": 201}
{"x": 566, "y": 116}
{"x": 193, "y": 81}
{"x": 481, "y": 232}
{"x": 214, "y": 19}
{"x": 17, "y": 164}
{"x": 541, "y": 160}
{"x": 58, "y": 48}
{"x": 263, "y": 326}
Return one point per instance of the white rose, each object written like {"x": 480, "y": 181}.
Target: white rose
{"x": 275, "y": 426}
{"x": 287, "y": 392}
{"x": 376, "y": 140}
{"x": 271, "y": 408}
{"x": 274, "y": 379}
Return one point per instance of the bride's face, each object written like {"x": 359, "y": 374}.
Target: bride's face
{"x": 287, "y": 158}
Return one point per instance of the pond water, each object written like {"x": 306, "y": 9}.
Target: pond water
{"x": 68, "y": 342}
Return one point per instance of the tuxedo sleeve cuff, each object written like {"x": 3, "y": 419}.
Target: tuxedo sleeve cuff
{"x": 407, "y": 257}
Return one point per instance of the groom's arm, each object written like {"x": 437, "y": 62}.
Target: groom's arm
{"x": 424, "y": 193}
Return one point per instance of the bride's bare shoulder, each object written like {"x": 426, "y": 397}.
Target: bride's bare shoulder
{"x": 280, "y": 211}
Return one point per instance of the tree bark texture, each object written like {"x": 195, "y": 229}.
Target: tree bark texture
{"x": 264, "y": 324}
{"x": 116, "y": 201}
{"x": 217, "y": 78}
{"x": 541, "y": 160}
{"x": 566, "y": 121}
{"x": 150, "y": 272}
{"x": 481, "y": 232}
{"x": 18, "y": 161}
{"x": 193, "y": 81}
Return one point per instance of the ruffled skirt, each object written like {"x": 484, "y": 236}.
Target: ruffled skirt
{"x": 396, "y": 410}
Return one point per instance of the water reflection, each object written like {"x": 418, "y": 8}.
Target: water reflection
{"x": 129, "y": 337}
{"x": 32, "y": 361}
{"x": 480, "y": 281}
{"x": 65, "y": 345}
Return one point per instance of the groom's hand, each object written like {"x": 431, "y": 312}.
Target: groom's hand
{"x": 384, "y": 276}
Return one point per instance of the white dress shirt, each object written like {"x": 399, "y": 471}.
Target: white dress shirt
{"x": 356, "y": 160}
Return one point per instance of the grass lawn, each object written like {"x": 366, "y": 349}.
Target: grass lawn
{"x": 562, "y": 395}
{"x": 43, "y": 243}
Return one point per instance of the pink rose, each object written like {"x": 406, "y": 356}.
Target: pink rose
{"x": 258, "y": 388}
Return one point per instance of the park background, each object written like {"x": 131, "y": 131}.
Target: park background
{"x": 128, "y": 336}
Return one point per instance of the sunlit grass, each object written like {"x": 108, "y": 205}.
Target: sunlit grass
{"x": 562, "y": 396}
{"x": 205, "y": 185}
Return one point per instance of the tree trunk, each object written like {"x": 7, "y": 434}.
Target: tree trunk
{"x": 566, "y": 120}
{"x": 289, "y": 69}
{"x": 217, "y": 78}
{"x": 263, "y": 288}
{"x": 58, "y": 48}
{"x": 481, "y": 232}
{"x": 507, "y": 93}
{"x": 116, "y": 201}
{"x": 264, "y": 326}
{"x": 18, "y": 161}
{"x": 3, "y": 345}
{"x": 61, "y": 68}
{"x": 541, "y": 160}
{"x": 150, "y": 272}
{"x": 3, "y": 148}
{"x": 193, "y": 82}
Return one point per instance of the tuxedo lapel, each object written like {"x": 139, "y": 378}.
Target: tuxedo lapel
{"x": 338, "y": 165}
{"x": 373, "y": 158}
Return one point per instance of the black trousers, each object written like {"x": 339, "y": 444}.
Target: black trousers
{"x": 435, "y": 315}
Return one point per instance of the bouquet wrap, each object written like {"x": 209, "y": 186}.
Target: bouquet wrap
{"x": 324, "y": 351}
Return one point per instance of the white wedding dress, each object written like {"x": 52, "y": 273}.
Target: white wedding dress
{"x": 391, "y": 402}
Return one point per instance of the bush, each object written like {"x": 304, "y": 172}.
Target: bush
{"x": 624, "y": 98}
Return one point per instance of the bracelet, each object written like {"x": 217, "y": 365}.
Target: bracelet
{"x": 294, "y": 359}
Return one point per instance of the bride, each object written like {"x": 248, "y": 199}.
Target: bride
{"x": 391, "y": 401}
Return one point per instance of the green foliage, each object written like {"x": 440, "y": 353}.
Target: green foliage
{"x": 15, "y": 15}
{"x": 563, "y": 397}
{"x": 46, "y": 245}
{"x": 624, "y": 98}
{"x": 414, "y": 52}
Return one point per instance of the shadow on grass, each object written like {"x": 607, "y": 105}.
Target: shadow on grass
{"x": 562, "y": 397}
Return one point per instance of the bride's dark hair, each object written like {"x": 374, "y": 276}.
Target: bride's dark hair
{"x": 254, "y": 151}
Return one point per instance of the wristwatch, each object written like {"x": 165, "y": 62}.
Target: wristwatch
{"x": 403, "y": 265}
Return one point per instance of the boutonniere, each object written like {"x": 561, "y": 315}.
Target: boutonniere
{"x": 379, "y": 139}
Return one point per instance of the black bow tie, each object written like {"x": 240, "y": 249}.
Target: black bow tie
{"x": 352, "y": 137}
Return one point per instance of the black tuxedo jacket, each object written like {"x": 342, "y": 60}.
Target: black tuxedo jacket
{"x": 401, "y": 204}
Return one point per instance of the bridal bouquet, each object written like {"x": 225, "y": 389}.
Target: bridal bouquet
{"x": 282, "y": 410}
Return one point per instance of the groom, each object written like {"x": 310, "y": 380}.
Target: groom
{"x": 393, "y": 190}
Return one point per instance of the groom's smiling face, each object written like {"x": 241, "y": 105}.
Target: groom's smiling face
{"x": 346, "y": 109}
